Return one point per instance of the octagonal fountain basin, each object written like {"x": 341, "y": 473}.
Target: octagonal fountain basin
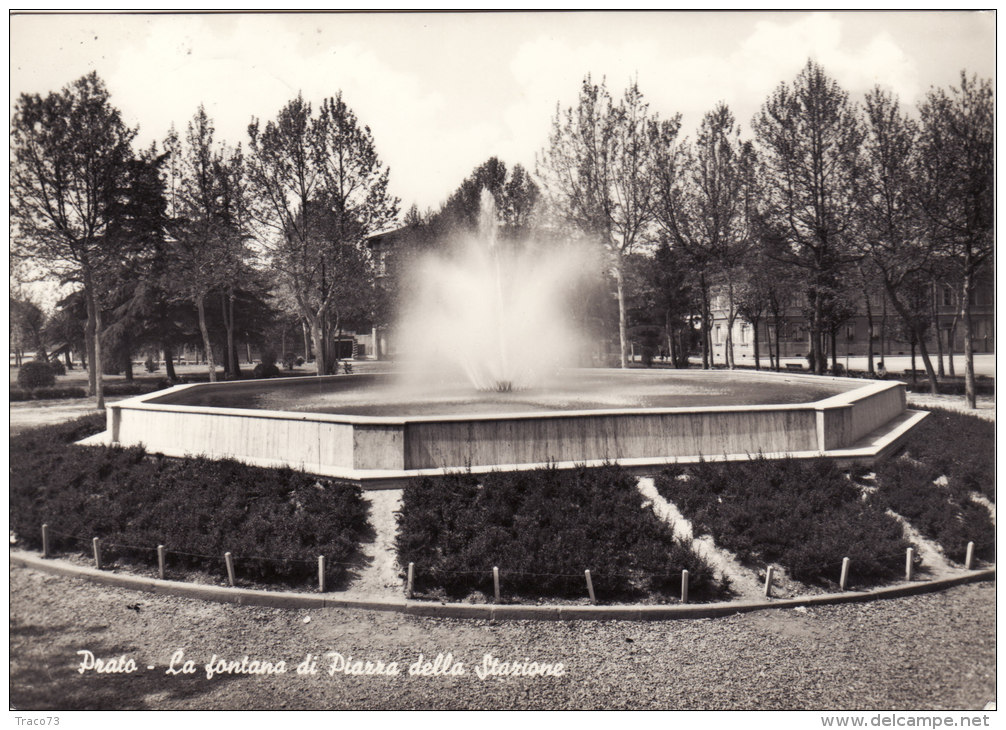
{"x": 377, "y": 431}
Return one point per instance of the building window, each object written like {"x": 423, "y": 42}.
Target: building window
{"x": 948, "y": 296}
{"x": 719, "y": 335}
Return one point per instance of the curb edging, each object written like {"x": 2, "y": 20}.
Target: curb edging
{"x": 276, "y": 599}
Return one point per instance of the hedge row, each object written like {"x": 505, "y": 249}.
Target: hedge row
{"x": 940, "y": 511}
{"x": 75, "y": 391}
{"x": 960, "y": 446}
{"x": 275, "y": 522}
{"x": 803, "y": 515}
{"x": 543, "y": 528}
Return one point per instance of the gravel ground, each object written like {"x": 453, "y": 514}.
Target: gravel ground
{"x": 985, "y": 405}
{"x": 928, "y": 652}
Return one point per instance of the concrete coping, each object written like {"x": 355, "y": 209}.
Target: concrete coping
{"x": 838, "y": 401}
{"x": 493, "y": 612}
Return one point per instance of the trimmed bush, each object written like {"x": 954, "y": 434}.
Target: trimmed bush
{"x": 543, "y": 528}
{"x": 57, "y": 367}
{"x": 960, "y": 446}
{"x": 276, "y": 522}
{"x": 942, "y": 513}
{"x": 803, "y": 515}
{"x": 35, "y": 374}
{"x": 19, "y": 394}
{"x": 267, "y": 368}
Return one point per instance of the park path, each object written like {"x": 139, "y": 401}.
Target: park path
{"x": 743, "y": 581}
{"x": 379, "y": 578}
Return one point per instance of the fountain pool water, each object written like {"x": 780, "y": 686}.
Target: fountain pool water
{"x": 483, "y": 389}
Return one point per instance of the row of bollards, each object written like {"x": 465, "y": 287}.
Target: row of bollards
{"x": 162, "y": 558}
{"x": 410, "y": 580}
{"x": 843, "y": 580}
{"x": 411, "y": 572}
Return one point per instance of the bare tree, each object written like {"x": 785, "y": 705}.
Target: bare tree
{"x": 598, "y": 172}
{"x": 205, "y": 225}
{"x": 810, "y": 137}
{"x": 706, "y": 201}
{"x": 957, "y": 172}
{"x": 892, "y": 232}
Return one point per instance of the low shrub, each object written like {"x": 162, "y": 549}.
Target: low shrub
{"x": 68, "y": 391}
{"x": 960, "y": 446}
{"x": 267, "y": 368}
{"x": 803, "y": 515}
{"x": 941, "y": 512}
{"x": 35, "y": 374}
{"x": 275, "y": 522}
{"x": 151, "y": 365}
{"x": 543, "y": 528}
{"x": 57, "y": 367}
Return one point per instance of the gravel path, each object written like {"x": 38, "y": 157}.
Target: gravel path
{"x": 927, "y": 652}
{"x": 986, "y": 405}
{"x": 743, "y": 581}
{"x": 380, "y": 579}
{"x": 934, "y": 562}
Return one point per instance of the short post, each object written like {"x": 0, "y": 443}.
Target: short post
{"x": 45, "y": 540}
{"x": 321, "y": 573}
{"x": 590, "y": 586}
{"x": 230, "y": 567}
{"x": 684, "y": 586}
{"x": 96, "y": 544}
{"x": 160, "y": 561}
{"x": 844, "y": 580}
{"x": 969, "y": 557}
{"x": 409, "y": 580}
{"x": 909, "y": 564}
{"x": 768, "y": 581}
{"x": 496, "y": 583}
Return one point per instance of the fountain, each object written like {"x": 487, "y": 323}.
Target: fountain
{"x": 490, "y": 311}
{"x": 485, "y": 387}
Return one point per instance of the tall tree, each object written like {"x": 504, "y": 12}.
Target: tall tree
{"x": 598, "y": 171}
{"x": 205, "y": 226}
{"x": 321, "y": 191}
{"x": 706, "y": 202}
{"x": 514, "y": 193}
{"x": 810, "y": 138}
{"x": 893, "y": 235}
{"x": 70, "y": 153}
{"x": 957, "y": 172}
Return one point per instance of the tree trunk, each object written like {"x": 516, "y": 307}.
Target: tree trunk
{"x": 936, "y": 328}
{"x": 969, "y": 345}
{"x": 757, "y": 352}
{"x": 319, "y": 350}
{"x": 816, "y": 335}
{"x": 834, "y": 350}
{"x": 623, "y": 340}
{"x": 99, "y": 381}
{"x": 95, "y": 380}
{"x": 869, "y": 333}
{"x": 912, "y": 346}
{"x": 704, "y": 324}
{"x": 927, "y": 362}
{"x": 169, "y": 363}
{"x": 307, "y": 346}
{"x": 918, "y": 337}
{"x": 207, "y": 347}
{"x": 92, "y": 387}
{"x": 883, "y": 329}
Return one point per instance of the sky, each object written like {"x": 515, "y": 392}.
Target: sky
{"x": 444, "y": 92}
